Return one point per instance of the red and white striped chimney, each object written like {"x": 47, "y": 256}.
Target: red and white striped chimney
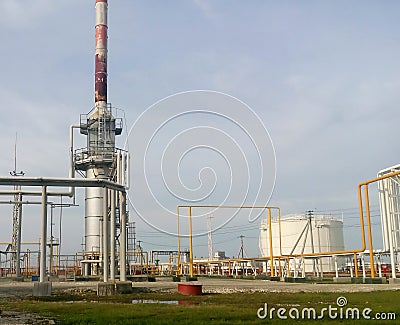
{"x": 101, "y": 53}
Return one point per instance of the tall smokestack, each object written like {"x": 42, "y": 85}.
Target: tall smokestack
{"x": 100, "y": 159}
{"x": 101, "y": 52}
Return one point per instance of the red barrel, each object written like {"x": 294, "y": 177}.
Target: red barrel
{"x": 190, "y": 289}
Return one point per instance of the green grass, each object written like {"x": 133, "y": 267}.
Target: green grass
{"x": 239, "y": 308}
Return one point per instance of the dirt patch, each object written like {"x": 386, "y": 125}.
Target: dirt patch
{"x": 14, "y": 317}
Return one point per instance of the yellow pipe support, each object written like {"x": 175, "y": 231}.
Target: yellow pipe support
{"x": 342, "y": 252}
{"x": 190, "y": 226}
{"x": 271, "y": 261}
{"x": 380, "y": 178}
{"x": 280, "y": 232}
{"x": 228, "y": 206}
{"x": 371, "y": 250}
{"x": 368, "y": 212}
{"x": 190, "y": 242}
{"x": 179, "y": 242}
{"x": 364, "y": 246}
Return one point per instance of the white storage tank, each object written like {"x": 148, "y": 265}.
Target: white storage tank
{"x": 303, "y": 234}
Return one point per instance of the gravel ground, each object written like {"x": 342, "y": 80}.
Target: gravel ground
{"x": 20, "y": 290}
{"x": 210, "y": 285}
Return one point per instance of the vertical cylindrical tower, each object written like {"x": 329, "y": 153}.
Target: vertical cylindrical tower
{"x": 100, "y": 158}
{"x": 98, "y": 132}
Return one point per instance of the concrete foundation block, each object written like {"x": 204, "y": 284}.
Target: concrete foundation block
{"x": 42, "y": 289}
{"x": 342, "y": 280}
{"x": 394, "y": 281}
{"x": 357, "y": 280}
{"x": 123, "y": 287}
{"x": 375, "y": 280}
{"x": 294, "y": 280}
{"x": 262, "y": 277}
{"x": 105, "y": 289}
{"x": 139, "y": 278}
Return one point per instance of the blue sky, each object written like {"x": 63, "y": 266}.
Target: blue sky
{"x": 321, "y": 75}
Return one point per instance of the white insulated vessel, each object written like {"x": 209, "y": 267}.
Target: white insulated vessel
{"x": 302, "y": 234}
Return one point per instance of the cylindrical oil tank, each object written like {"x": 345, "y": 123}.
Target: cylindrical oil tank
{"x": 303, "y": 234}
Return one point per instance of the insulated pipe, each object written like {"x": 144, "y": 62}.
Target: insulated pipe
{"x": 336, "y": 267}
{"x": 271, "y": 253}
{"x": 190, "y": 243}
{"x": 122, "y": 245}
{"x": 119, "y": 168}
{"x": 60, "y": 182}
{"x": 179, "y": 241}
{"x": 20, "y": 202}
{"x": 105, "y": 236}
{"x": 384, "y": 206}
{"x": 112, "y": 236}
{"x": 18, "y": 248}
{"x": 391, "y": 248}
{"x": 30, "y": 193}
{"x": 351, "y": 268}
{"x": 127, "y": 163}
{"x": 71, "y": 192}
{"x": 101, "y": 52}
{"x": 42, "y": 271}
{"x": 355, "y": 265}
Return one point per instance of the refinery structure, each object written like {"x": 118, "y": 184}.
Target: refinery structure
{"x": 291, "y": 246}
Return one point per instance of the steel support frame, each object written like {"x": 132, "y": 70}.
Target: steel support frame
{"x": 44, "y": 183}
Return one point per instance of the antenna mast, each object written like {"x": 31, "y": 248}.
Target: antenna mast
{"x": 17, "y": 217}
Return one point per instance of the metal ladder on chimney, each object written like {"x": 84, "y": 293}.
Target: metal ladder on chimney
{"x": 101, "y": 132}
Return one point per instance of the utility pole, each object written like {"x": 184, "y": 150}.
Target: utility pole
{"x": 241, "y": 250}
{"x": 310, "y": 214}
{"x": 141, "y": 252}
